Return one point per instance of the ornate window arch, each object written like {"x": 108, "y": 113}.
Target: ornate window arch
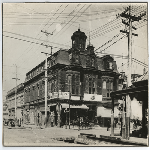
{"x": 92, "y": 85}
{"x": 104, "y": 84}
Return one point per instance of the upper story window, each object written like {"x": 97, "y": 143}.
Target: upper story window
{"x": 107, "y": 85}
{"x": 111, "y": 86}
{"x": 91, "y": 85}
{"x": 75, "y": 83}
{"x": 104, "y": 84}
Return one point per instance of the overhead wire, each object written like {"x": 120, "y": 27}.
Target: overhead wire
{"x": 77, "y": 18}
{"x": 49, "y": 26}
{"x": 37, "y": 34}
{"x": 111, "y": 44}
{"x": 67, "y": 23}
{"x": 55, "y": 47}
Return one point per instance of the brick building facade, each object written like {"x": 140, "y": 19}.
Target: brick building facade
{"x": 90, "y": 80}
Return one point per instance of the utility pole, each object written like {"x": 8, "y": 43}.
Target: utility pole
{"x": 69, "y": 77}
{"x": 131, "y": 18}
{"x": 47, "y": 34}
{"x": 16, "y": 94}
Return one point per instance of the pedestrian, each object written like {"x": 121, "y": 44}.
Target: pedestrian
{"x": 108, "y": 125}
{"x": 115, "y": 123}
{"x": 52, "y": 120}
{"x": 78, "y": 123}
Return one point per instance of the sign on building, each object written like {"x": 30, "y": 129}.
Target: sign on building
{"x": 92, "y": 97}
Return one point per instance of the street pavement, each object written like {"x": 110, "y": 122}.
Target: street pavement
{"x": 35, "y": 136}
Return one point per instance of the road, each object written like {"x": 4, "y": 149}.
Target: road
{"x": 47, "y": 136}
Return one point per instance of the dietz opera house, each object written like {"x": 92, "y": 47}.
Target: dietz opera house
{"x": 77, "y": 77}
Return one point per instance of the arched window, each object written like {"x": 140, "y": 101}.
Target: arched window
{"x": 110, "y": 65}
{"x": 104, "y": 84}
{"x": 77, "y": 84}
{"x": 111, "y": 86}
{"x": 55, "y": 86}
{"x": 91, "y": 85}
{"x": 73, "y": 84}
{"x": 38, "y": 91}
{"x": 107, "y": 85}
{"x": 52, "y": 87}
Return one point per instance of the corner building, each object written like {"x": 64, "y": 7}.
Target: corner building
{"x": 88, "y": 78}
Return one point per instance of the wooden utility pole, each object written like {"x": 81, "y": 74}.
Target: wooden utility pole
{"x": 16, "y": 93}
{"x": 131, "y": 18}
{"x": 47, "y": 34}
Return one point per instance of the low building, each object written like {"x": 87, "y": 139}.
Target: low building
{"x": 5, "y": 110}
{"x": 138, "y": 92}
{"x": 19, "y": 102}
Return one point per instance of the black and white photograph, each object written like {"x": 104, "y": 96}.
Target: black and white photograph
{"x": 75, "y": 74}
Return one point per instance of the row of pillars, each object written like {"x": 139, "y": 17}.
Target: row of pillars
{"x": 125, "y": 117}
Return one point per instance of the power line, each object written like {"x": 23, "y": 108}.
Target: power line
{"x": 111, "y": 44}
{"x": 35, "y": 38}
{"x": 25, "y": 40}
{"x": 41, "y": 36}
{"x": 78, "y": 17}
{"x": 108, "y": 41}
{"x": 43, "y": 28}
{"x": 67, "y": 23}
{"x": 139, "y": 61}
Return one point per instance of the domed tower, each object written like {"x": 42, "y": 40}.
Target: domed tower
{"x": 79, "y": 40}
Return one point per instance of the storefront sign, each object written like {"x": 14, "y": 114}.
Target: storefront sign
{"x": 76, "y": 98}
{"x": 60, "y": 95}
{"x": 92, "y": 97}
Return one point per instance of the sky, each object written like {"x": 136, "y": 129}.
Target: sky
{"x": 22, "y": 36}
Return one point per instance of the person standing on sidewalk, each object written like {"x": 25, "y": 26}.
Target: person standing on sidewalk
{"x": 108, "y": 125}
{"x": 52, "y": 119}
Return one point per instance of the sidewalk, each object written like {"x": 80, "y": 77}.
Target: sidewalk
{"x": 103, "y": 131}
